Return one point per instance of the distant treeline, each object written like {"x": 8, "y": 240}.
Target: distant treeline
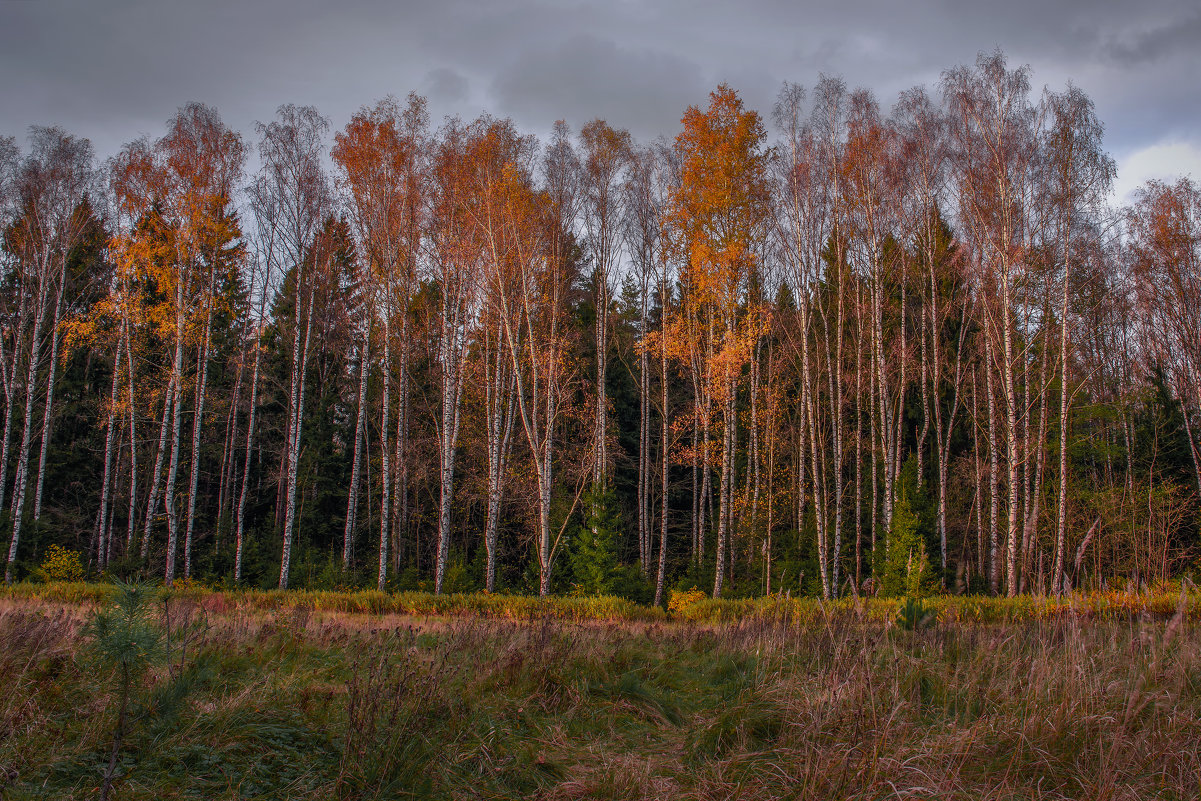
{"x": 886, "y": 351}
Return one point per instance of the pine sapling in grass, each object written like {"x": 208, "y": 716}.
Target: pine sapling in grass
{"x": 914, "y": 615}
{"x": 126, "y": 643}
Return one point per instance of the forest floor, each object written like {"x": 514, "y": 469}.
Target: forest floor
{"x": 297, "y": 702}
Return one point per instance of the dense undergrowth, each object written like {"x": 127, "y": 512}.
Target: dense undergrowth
{"x": 291, "y": 696}
{"x": 694, "y": 606}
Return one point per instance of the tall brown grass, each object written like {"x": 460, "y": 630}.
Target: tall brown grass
{"x": 840, "y": 705}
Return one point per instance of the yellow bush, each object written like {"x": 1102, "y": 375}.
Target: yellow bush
{"x": 60, "y": 564}
{"x": 187, "y": 583}
{"x": 680, "y": 603}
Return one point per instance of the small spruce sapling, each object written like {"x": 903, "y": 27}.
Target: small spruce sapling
{"x": 126, "y": 644}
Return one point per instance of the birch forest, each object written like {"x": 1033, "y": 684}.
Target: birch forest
{"x": 847, "y": 345}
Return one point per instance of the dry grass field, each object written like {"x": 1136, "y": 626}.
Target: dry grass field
{"x": 285, "y": 700}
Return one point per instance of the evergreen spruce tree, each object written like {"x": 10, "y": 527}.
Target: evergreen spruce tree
{"x": 594, "y": 548}
{"x": 907, "y": 569}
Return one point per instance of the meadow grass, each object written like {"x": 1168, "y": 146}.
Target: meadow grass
{"x": 364, "y": 695}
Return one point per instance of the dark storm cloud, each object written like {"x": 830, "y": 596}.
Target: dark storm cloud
{"x": 111, "y": 71}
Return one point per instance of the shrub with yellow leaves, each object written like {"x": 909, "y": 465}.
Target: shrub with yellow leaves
{"x": 680, "y": 603}
{"x": 61, "y": 564}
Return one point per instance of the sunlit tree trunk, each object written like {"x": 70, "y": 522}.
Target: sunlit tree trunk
{"x": 858, "y": 439}
{"x": 644, "y": 425}
{"x": 943, "y": 435}
{"x": 240, "y": 511}
{"x": 729, "y": 420}
{"x": 1033, "y": 505}
{"x": 811, "y": 403}
{"x": 754, "y": 456}
{"x": 772, "y": 435}
{"x": 400, "y": 462}
{"x": 1012, "y": 441}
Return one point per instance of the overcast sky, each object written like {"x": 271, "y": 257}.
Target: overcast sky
{"x": 112, "y": 71}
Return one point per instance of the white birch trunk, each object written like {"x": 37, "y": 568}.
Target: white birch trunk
{"x": 664, "y": 448}
{"x": 21, "y": 475}
{"x": 106, "y": 479}
{"x": 727, "y": 480}
{"x": 202, "y": 375}
{"x": 385, "y": 471}
{"x": 500, "y": 408}
{"x": 48, "y": 409}
{"x": 240, "y": 512}
{"x": 10, "y": 388}
{"x": 994, "y": 576}
{"x": 155, "y": 479}
{"x": 301, "y": 364}
{"x": 133, "y": 444}
{"x": 452, "y": 346}
{"x": 1057, "y": 583}
{"x": 360, "y": 422}
{"x": 644, "y": 536}
{"x": 173, "y": 463}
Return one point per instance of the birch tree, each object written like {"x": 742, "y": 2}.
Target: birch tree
{"x": 1081, "y": 175}
{"x": 379, "y": 158}
{"x": 532, "y": 298}
{"x": 205, "y": 159}
{"x": 292, "y": 174}
{"x": 641, "y": 228}
{"x": 604, "y": 153}
{"x": 993, "y": 130}
{"x": 715, "y": 212}
{"x": 50, "y": 184}
{"x": 465, "y": 158}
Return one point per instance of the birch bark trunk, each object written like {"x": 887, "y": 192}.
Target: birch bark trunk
{"x": 21, "y": 478}
{"x": 300, "y": 363}
{"x": 202, "y": 375}
{"x": 48, "y": 409}
{"x": 352, "y": 496}
{"x": 102, "y": 514}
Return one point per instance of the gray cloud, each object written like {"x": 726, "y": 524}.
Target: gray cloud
{"x": 112, "y": 71}
{"x": 446, "y": 85}
{"x": 585, "y": 77}
{"x": 1160, "y": 43}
